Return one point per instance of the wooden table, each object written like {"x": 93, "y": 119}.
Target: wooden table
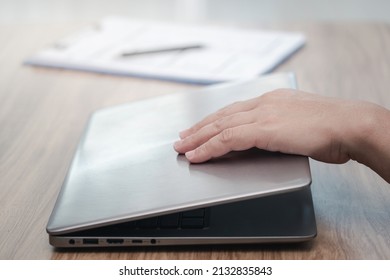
{"x": 43, "y": 113}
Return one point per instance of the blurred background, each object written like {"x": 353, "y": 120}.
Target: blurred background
{"x": 238, "y": 11}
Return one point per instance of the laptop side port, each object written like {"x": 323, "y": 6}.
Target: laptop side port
{"x": 136, "y": 241}
{"x": 90, "y": 241}
{"x": 115, "y": 241}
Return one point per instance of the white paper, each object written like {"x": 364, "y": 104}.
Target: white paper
{"x": 227, "y": 54}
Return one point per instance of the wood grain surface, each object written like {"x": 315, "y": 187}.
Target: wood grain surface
{"x": 43, "y": 113}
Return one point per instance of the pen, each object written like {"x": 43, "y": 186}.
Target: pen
{"x": 162, "y": 50}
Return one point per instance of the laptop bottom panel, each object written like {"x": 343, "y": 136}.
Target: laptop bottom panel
{"x": 287, "y": 217}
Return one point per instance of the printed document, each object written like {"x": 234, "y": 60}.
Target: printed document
{"x": 184, "y": 53}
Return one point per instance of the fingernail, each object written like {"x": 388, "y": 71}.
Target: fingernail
{"x": 177, "y": 144}
{"x": 190, "y": 154}
{"x": 181, "y": 134}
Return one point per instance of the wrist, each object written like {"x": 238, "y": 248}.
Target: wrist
{"x": 368, "y": 137}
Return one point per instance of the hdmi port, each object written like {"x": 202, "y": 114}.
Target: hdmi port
{"x": 115, "y": 241}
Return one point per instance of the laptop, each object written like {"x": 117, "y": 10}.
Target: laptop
{"x": 126, "y": 185}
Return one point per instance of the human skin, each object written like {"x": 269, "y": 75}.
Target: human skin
{"x": 327, "y": 129}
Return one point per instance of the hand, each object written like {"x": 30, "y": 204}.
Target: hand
{"x": 285, "y": 120}
{"x": 289, "y": 121}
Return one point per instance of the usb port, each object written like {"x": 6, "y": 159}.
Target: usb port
{"x": 90, "y": 241}
{"x": 137, "y": 241}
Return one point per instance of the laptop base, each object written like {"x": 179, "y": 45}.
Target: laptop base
{"x": 286, "y": 217}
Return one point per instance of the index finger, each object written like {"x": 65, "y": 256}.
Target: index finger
{"x": 236, "y": 107}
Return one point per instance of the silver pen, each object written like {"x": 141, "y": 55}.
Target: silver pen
{"x": 162, "y": 50}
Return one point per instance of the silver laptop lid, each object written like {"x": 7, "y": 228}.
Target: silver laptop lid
{"x": 125, "y": 167}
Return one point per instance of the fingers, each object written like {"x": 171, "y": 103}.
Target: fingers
{"x": 231, "y": 139}
{"x": 239, "y": 126}
{"x": 212, "y": 129}
{"x": 231, "y": 109}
